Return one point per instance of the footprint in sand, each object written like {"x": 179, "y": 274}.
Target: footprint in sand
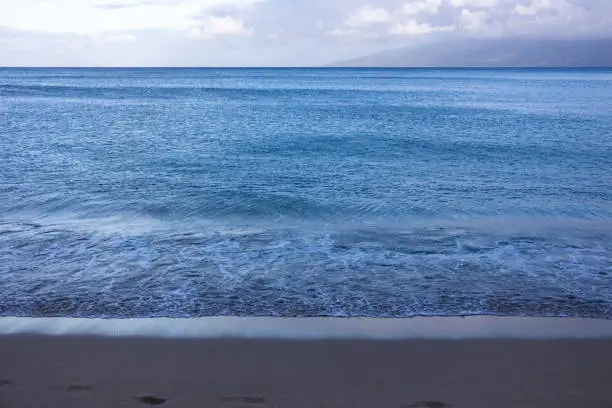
{"x": 428, "y": 404}
{"x": 151, "y": 400}
{"x": 245, "y": 400}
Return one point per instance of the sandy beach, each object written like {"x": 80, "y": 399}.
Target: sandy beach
{"x": 125, "y": 371}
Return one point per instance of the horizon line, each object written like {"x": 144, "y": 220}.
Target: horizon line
{"x": 308, "y": 67}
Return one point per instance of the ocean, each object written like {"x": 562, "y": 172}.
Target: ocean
{"x": 305, "y": 192}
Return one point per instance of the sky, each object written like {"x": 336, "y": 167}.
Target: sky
{"x": 268, "y": 32}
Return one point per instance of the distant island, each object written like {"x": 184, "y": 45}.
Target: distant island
{"x": 501, "y": 52}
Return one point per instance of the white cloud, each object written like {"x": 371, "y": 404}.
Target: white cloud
{"x": 473, "y": 20}
{"x": 220, "y": 26}
{"x": 97, "y": 16}
{"x": 523, "y": 10}
{"x": 169, "y": 32}
{"x": 119, "y": 37}
{"x": 475, "y": 3}
{"x": 556, "y": 9}
{"x": 421, "y": 6}
{"x": 412, "y": 28}
{"x": 339, "y": 32}
{"x": 368, "y": 15}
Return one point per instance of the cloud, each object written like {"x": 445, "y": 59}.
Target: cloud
{"x": 220, "y": 26}
{"x": 120, "y": 37}
{"x": 368, "y": 15}
{"x": 422, "y": 6}
{"x": 299, "y": 32}
{"x": 124, "y": 4}
{"x": 412, "y": 28}
{"x": 97, "y": 16}
{"x": 473, "y": 20}
{"x": 523, "y": 10}
{"x": 559, "y": 8}
{"x": 475, "y": 3}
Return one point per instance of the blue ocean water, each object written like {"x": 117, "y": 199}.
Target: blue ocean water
{"x": 305, "y": 192}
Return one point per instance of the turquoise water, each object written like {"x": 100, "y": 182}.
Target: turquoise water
{"x": 305, "y": 192}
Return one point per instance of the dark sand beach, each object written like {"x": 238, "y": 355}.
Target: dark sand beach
{"x": 95, "y": 371}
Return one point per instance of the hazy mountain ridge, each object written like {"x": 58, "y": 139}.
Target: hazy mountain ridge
{"x": 494, "y": 53}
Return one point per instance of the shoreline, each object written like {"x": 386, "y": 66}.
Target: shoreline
{"x": 309, "y": 328}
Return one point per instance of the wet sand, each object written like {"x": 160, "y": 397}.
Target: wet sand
{"x": 101, "y": 371}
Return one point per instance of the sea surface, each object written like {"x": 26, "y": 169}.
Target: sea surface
{"x": 305, "y": 192}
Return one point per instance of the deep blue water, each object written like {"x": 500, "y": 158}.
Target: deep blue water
{"x": 297, "y": 192}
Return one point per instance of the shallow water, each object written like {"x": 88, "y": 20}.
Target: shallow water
{"x": 297, "y": 192}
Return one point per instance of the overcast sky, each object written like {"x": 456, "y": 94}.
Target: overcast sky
{"x": 267, "y": 32}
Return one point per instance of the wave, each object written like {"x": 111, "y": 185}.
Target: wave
{"x": 142, "y": 193}
{"x": 162, "y": 92}
{"x": 108, "y": 269}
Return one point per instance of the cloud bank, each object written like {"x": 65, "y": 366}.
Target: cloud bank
{"x": 268, "y": 32}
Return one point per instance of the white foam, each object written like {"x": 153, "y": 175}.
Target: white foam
{"x": 473, "y": 327}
